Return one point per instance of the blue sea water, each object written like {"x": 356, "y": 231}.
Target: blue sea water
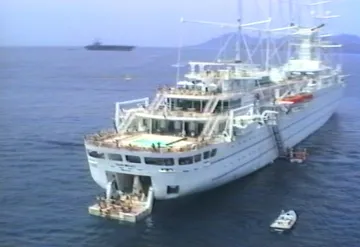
{"x": 51, "y": 97}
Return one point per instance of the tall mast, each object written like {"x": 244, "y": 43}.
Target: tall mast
{"x": 268, "y": 40}
{"x": 238, "y": 36}
{"x": 317, "y": 21}
{"x": 180, "y": 44}
{"x": 292, "y": 20}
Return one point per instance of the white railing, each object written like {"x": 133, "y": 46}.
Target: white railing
{"x": 214, "y": 125}
{"x": 121, "y": 113}
{"x": 210, "y": 126}
{"x": 243, "y": 110}
{"x": 214, "y": 104}
{"x": 159, "y": 99}
{"x": 207, "y": 127}
{"x": 127, "y": 122}
{"x": 211, "y": 105}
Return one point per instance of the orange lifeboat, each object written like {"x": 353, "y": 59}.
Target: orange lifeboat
{"x": 299, "y": 98}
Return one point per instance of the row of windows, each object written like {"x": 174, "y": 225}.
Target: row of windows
{"x": 154, "y": 161}
{"x": 194, "y": 159}
{"x": 159, "y": 161}
{"x": 116, "y": 157}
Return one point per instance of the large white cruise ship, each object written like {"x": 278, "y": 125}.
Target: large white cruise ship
{"x": 223, "y": 121}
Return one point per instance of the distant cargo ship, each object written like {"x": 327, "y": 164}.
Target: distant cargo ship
{"x": 97, "y": 46}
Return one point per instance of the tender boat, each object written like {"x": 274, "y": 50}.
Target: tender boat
{"x": 298, "y": 156}
{"x": 285, "y": 221}
{"x": 296, "y": 99}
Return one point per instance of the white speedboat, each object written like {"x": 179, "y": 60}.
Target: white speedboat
{"x": 127, "y": 77}
{"x": 285, "y": 221}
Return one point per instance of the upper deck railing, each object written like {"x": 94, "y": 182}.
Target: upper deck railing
{"x": 227, "y": 74}
{"x": 193, "y": 91}
{"x": 107, "y": 139}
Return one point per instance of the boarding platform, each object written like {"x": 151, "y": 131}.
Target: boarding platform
{"x": 128, "y": 207}
{"x": 297, "y": 155}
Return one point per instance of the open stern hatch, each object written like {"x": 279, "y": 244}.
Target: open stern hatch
{"x": 285, "y": 221}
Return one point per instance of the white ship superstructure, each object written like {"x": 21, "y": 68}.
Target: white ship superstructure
{"x": 224, "y": 121}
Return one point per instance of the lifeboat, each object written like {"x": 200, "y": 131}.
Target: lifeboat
{"x": 296, "y": 99}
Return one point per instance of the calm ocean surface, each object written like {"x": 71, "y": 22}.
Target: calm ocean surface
{"x": 51, "y": 97}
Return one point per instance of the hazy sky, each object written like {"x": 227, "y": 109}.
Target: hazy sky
{"x": 138, "y": 22}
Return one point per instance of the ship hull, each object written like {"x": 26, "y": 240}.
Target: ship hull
{"x": 109, "y": 48}
{"x": 234, "y": 160}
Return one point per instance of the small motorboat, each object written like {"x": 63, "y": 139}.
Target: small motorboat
{"x": 285, "y": 221}
{"x": 127, "y": 77}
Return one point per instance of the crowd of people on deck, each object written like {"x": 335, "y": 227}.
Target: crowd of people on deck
{"x": 125, "y": 203}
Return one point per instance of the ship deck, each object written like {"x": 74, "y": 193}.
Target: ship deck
{"x": 137, "y": 141}
{"x": 145, "y": 140}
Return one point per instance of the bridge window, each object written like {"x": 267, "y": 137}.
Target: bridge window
{"x": 206, "y": 155}
{"x": 133, "y": 159}
{"x": 213, "y": 152}
{"x": 197, "y": 158}
{"x": 96, "y": 154}
{"x": 116, "y": 157}
{"x": 186, "y": 160}
{"x": 159, "y": 161}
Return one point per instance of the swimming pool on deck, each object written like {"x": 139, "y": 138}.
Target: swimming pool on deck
{"x": 148, "y": 143}
{"x": 147, "y": 140}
